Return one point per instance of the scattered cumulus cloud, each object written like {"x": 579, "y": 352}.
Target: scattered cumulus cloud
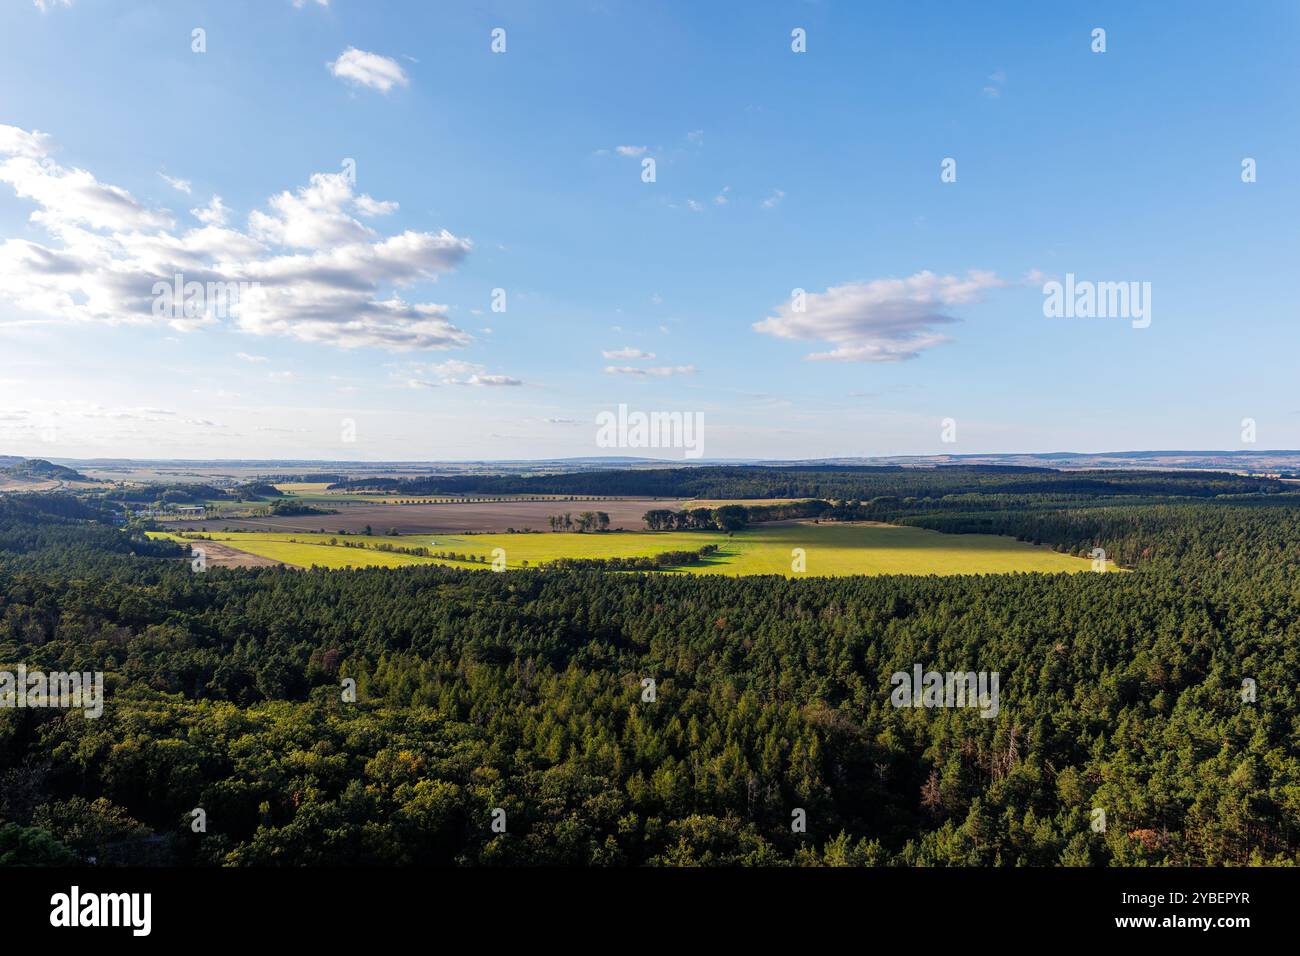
{"x": 368, "y": 69}
{"x": 884, "y": 320}
{"x": 69, "y": 198}
{"x": 306, "y": 267}
{"x": 215, "y": 213}
{"x": 456, "y": 372}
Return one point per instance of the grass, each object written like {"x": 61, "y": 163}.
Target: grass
{"x": 829, "y": 549}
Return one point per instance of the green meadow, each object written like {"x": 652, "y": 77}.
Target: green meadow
{"x": 827, "y": 549}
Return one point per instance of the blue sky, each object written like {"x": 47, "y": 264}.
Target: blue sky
{"x": 775, "y": 170}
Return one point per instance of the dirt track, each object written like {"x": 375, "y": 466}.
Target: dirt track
{"x": 223, "y": 556}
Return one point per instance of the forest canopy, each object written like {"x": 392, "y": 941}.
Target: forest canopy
{"x": 1164, "y": 696}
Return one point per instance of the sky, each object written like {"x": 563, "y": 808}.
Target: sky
{"x": 447, "y": 243}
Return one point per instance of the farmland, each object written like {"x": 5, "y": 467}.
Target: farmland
{"x": 828, "y": 550}
{"x": 353, "y": 514}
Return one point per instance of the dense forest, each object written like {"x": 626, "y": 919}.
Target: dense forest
{"x": 392, "y": 716}
{"x": 826, "y": 481}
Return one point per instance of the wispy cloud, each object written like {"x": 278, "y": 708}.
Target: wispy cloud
{"x": 180, "y": 185}
{"x": 627, "y": 353}
{"x": 996, "y": 81}
{"x": 661, "y": 372}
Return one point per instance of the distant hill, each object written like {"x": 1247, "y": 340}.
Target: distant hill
{"x": 38, "y": 469}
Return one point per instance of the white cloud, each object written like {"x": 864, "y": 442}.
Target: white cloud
{"x": 366, "y": 206}
{"x": 885, "y": 320}
{"x": 45, "y": 6}
{"x": 368, "y": 69}
{"x": 180, "y": 185}
{"x": 313, "y": 272}
{"x": 627, "y": 353}
{"x": 630, "y": 150}
{"x": 68, "y": 197}
{"x": 662, "y": 372}
{"x": 773, "y": 200}
{"x": 250, "y": 358}
{"x": 456, "y": 372}
{"x": 20, "y": 142}
{"x": 215, "y": 213}
{"x": 312, "y": 217}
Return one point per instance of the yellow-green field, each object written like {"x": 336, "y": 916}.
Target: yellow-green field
{"x": 303, "y": 487}
{"x": 829, "y": 549}
{"x": 712, "y": 503}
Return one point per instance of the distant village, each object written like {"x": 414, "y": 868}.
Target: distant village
{"x": 169, "y": 511}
